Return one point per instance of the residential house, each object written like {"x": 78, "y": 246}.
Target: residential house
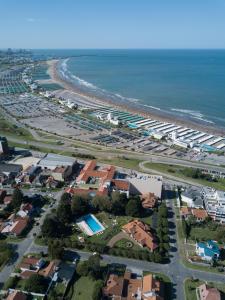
{"x": 141, "y": 233}
{"x": 199, "y": 214}
{"x": 15, "y": 227}
{"x": 149, "y": 200}
{"x": 129, "y": 287}
{"x": 121, "y": 185}
{"x": 33, "y": 265}
{"x": 207, "y": 293}
{"x": 26, "y": 209}
{"x": 208, "y": 251}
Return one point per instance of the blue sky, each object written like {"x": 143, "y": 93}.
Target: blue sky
{"x": 112, "y": 23}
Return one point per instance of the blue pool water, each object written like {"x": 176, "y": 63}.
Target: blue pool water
{"x": 93, "y": 225}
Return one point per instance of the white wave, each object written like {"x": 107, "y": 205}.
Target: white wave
{"x": 134, "y": 99}
{"x": 204, "y": 120}
{"x": 83, "y": 82}
{"x": 193, "y": 113}
{"x": 68, "y": 75}
{"x": 153, "y": 107}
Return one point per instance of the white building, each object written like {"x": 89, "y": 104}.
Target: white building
{"x": 112, "y": 119}
{"x": 214, "y": 203}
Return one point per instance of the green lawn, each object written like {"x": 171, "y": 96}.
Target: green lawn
{"x": 11, "y": 130}
{"x": 191, "y": 285}
{"x": 178, "y": 171}
{"x": 202, "y": 233}
{"x": 83, "y": 289}
{"x": 190, "y": 288}
{"x": 128, "y": 163}
{"x": 127, "y": 244}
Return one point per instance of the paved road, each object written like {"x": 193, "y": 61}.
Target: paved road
{"x": 107, "y": 151}
{"x": 26, "y": 245}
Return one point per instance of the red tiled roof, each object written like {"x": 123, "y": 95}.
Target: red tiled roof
{"x": 141, "y": 233}
{"x": 19, "y": 226}
{"x": 16, "y": 295}
{"x": 199, "y": 213}
{"x": 121, "y": 185}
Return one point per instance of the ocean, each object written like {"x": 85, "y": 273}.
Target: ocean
{"x": 187, "y": 84}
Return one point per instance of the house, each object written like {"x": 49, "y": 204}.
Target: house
{"x": 141, "y": 233}
{"x": 16, "y": 295}
{"x": 199, "y": 214}
{"x": 207, "y": 293}
{"x": 26, "y": 209}
{"x": 208, "y": 251}
{"x": 31, "y": 265}
{"x": 185, "y": 212}
{"x": 129, "y": 287}
{"x": 62, "y": 173}
{"x": 149, "y": 200}
{"x": 15, "y": 227}
{"x": 120, "y": 185}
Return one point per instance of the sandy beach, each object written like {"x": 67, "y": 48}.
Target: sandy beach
{"x": 55, "y": 77}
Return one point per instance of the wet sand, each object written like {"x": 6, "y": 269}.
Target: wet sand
{"x": 53, "y": 73}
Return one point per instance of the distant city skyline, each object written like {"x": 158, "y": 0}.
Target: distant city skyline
{"x": 117, "y": 24}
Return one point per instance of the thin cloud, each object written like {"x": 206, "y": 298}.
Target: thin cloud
{"x": 31, "y": 20}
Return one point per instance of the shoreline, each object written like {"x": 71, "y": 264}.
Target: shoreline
{"x": 160, "y": 116}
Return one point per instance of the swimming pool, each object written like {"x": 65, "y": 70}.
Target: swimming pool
{"x": 93, "y": 224}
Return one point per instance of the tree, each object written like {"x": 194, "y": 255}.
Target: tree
{"x": 55, "y": 249}
{"x": 51, "y": 227}
{"x": 36, "y": 283}
{"x": 119, "y": 202}
{"x": 94, "y": 266}
{"x": 17, "y": 198}
{"x": 64, "y": 212}
{"x": 134, "y": 207}
{"x": 82, "y": 268}
{"x": 157, "y": 257}
{"x": 2, "y": 196}
{"x": 101, "y": 203}
{"x": 97, "y": 292}
{"x": 65, "y": 197}
{"x": 79, "y": 205}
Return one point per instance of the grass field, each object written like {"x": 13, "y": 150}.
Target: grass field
{"x": 178, "y": 171}
{"x": 83, "y": 289}
{"x": 9, "y": 129}
{"x": 124, "y": 162}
